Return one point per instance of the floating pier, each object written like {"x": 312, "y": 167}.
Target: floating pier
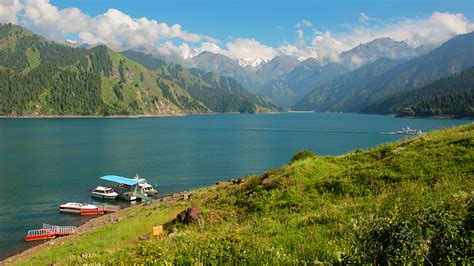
{"x": 50, "y": 231}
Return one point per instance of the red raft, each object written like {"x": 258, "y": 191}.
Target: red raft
{"x": 50, "y": 231}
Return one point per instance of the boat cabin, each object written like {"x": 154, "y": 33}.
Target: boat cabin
{"x": 126, "y": 188}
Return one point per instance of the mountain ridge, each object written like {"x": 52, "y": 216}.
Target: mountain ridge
{"x": 119, "y": 86}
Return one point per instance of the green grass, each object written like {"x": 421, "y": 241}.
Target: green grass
{"x": 33, "y": 56}
{"x": 405, "y": 202}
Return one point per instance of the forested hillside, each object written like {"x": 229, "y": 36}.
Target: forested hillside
{"x": 451, "y": 97}
{"x": 40, "y": 77}
{"x": 219, "y": 93}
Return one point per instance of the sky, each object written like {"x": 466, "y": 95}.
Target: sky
{"x": 243, "y": 29}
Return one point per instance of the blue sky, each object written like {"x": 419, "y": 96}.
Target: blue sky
{"x": 271, "y": 22}
{"x": 242, "y": 29}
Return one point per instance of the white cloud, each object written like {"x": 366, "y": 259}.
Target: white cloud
{"x": 54, "y": 22}
{"x": 432, "y": 31}
{"x": 363, "y": 18}
{"x": 121, "y": 31}
{"x": 9, "y": 10}
{"x": 249, "y": 48}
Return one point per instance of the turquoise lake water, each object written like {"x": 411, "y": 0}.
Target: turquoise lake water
{"x": 48, "y": 162}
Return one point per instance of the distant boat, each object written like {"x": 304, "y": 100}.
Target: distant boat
{"x": 409, "y": 131}
{"x": 104, "y": 193}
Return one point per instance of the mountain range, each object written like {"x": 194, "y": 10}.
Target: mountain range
{"x": 41, "y": 77}
{"x": 286, "y": 80}
{"x": 373, "y": 82}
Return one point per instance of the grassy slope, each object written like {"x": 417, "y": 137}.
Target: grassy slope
{"x": 410, "y": 201}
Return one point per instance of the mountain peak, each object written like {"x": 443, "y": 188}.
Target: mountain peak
{"x": 252, "y": 62}
{"x": 375, "y": 49}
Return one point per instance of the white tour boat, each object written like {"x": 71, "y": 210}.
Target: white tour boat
{"x": 104, "y": 193}
{"x": 145, "y": 187}
{"x": 409, "y": 131}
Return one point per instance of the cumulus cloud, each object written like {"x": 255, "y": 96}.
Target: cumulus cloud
{"x": 249, "y": 48}
{"x": 326, "y": 46}
{"x": 9, "y": 10}
{"x": 121, "y": 31}
{"x": 51, "y": 21}
{"x": 433, "y": 30}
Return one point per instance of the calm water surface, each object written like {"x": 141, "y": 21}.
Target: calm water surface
{"x": 47, "y": 162}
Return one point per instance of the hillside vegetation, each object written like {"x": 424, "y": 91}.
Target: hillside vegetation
{"x": 406, "y": 202}
{"x": 40, "y": 77}
{"x": 452, "y": 96}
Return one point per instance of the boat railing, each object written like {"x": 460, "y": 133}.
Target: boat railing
{"x": 60, "y": 230}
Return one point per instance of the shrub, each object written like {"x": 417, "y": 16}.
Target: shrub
{"x": 302, "y": 155}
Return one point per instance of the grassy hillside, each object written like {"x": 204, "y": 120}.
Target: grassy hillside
{"x": 405, "y": 202}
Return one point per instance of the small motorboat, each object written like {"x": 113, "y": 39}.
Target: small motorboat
{"x": 409, "y": 131}
{"x": 80, "y": 208}
{"x": 104, "y": 193}
{"x": 145, "y": 187}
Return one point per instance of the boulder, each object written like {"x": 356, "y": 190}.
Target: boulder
{"x": 188, "y": 216}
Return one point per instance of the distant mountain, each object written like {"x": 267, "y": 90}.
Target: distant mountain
{"x": 378, "y": 48}
{"x": 332, "y": 96}
{"x": 276, "y": 67}
{"x": 289, "y": 89}
{"x": 225, "y": 66}
{"x": 452, "y": 96}
{"x": 40, "y": 77}
{"x": 352, "y": 95}
{"x": 252, "y": 63}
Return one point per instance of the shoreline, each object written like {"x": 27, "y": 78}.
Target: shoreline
{"x": 120, "y": 116}
{"x": 95, "y": 223}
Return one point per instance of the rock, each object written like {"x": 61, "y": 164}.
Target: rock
{"x": 173, "y": 233}
{"x": 266, "y": 182}
{"x": 188, "y": 216}
{"x": 143, "y": 237}
{"x": 51, "y": 243}
{"x": 218, "y": 182}
{"x": 240, "y": 181}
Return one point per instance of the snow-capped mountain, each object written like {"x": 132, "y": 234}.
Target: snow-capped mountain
{"x": 252, "y": 62}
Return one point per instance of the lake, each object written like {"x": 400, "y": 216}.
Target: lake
{"x": 48, "y": 162}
